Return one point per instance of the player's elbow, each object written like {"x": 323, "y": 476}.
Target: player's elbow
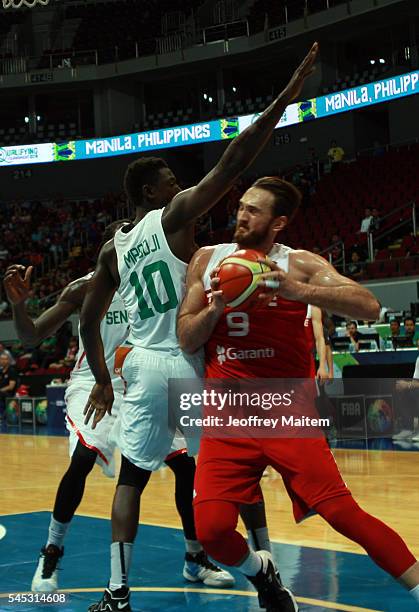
{"x": 373, "y": 308}
{"x": 185, "y": 338}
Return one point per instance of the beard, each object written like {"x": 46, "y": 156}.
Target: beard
{"x": 249, "y": 238}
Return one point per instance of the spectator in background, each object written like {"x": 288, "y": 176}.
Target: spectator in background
{"x": 408, "y": 407}
{"x": 8, "y": 381}
{"x": 355, "y": 267}
{"x": 70, "y": 357}
{"x": 375, "y": 220}
{"x": 391, "y": 341}
{"x": 410, "y": 330}
{"x": 335, "y": 155}
{"x": 366, "y": 222}
{"x": 316, "y": 249}
{"x": 354, "y": 335}
{"x": 5, "y": 351}
{"x": 394, "y": 328}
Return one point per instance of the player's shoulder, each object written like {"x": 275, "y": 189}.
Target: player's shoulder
{"x": 201, "y": 258}
{"x": 76, "y": 290}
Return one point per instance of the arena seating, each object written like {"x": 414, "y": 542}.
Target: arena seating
{"x": 105, "y": 26}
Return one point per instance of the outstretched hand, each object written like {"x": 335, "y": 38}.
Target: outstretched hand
{"x": 304, "y": 70}
{"x": 17, "y": 283}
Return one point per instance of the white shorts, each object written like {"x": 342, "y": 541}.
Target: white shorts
{"x": 104, "y": 438}
{"x": 146, "y": 437}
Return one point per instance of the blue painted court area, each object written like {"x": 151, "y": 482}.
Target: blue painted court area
{"x": 319, "y": 578}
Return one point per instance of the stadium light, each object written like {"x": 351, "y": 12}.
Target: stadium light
{"x": 382, "y": 61}
{"x": 205, "y": 96}
{"x": 234, "y": 89}
{"x": 26, "y": 119}
{"x": 372, "y": 62}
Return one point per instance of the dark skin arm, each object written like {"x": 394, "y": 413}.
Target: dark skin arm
{"x": 32, "y": 332}
{"x": 98, "y": 298}
{"x": 179, "y": 216}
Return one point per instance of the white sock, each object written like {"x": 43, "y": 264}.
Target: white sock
{"x": 121, "y": 553}
{"x": 259, "y": 539}
{"x": 57, "y": 532}
{"x": 193, "y": 546}
{"x": 415, "y": 593}
{"x": 251, "y": 565}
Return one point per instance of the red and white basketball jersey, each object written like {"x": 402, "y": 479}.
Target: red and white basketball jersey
{"x": 268, "y": 342}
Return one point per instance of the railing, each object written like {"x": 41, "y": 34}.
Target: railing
{"x": 13, "y": 65}
{"x": 290, "y": 11}
{"x": 298, "y": 9}
{"x": 226, "y": 31}
{"x": 373, "y": 238}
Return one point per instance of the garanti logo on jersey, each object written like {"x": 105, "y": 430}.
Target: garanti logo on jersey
{"x": 232, "y": 354}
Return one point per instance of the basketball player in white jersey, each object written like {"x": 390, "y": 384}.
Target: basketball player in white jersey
{"x": 147, "y": 265}
{"x": 88, "y": 446}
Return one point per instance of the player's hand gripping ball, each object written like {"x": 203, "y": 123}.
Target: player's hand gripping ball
{"x": 239, "y": 275}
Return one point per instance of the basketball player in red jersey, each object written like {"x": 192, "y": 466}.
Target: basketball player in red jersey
{"x": 229, "y": 470}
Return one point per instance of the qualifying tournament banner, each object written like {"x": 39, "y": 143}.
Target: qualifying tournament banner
{"x": 27, "y": 154}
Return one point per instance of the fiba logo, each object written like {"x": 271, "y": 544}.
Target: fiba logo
{"x": 233, "y": 354}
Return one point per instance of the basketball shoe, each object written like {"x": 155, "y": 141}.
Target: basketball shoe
{"x": 45, "y": 578}
{"x": 113, "y": 601}
{"x": 198, "y": 568}
{"x": 273, "y": 596}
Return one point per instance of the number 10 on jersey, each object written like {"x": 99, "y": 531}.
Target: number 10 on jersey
{"x": 149, "y": 273}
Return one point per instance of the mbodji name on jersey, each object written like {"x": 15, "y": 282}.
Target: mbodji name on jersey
{"x": 141, "y": 250}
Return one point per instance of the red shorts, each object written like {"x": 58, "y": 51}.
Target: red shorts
{"x": 231, "y": 469}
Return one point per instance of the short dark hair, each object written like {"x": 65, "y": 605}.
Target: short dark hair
{"x": 287, "y": 196}
{"x": 352, "y": 323}
{"x": 395, "y": 321}
{"x": 142, "y": 171}
{"x": 409, "y": 319}
{"x": 111, "y": 229}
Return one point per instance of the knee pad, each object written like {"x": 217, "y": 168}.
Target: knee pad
{"x": 133, "y": 476}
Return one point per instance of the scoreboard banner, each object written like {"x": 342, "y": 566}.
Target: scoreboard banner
{"x": 211, "y": 131}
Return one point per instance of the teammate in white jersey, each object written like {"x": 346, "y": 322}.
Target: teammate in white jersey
{"x": 86, "y": 446}
{"x": 147, "y": 265}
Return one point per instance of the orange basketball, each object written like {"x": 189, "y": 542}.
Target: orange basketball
{"x": 239, "y": 275}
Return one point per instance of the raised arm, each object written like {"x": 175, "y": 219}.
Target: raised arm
{"x": 96, "y": 303}
{"x": 32, "y": 332}
{"x": 188, "y": 205}
{"x": 197, "y": 318}
{"x": 313, "y": 280}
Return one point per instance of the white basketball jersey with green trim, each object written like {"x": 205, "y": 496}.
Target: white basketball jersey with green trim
{"x": 113, "y": 330}
{"x": 152, "y": 283}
